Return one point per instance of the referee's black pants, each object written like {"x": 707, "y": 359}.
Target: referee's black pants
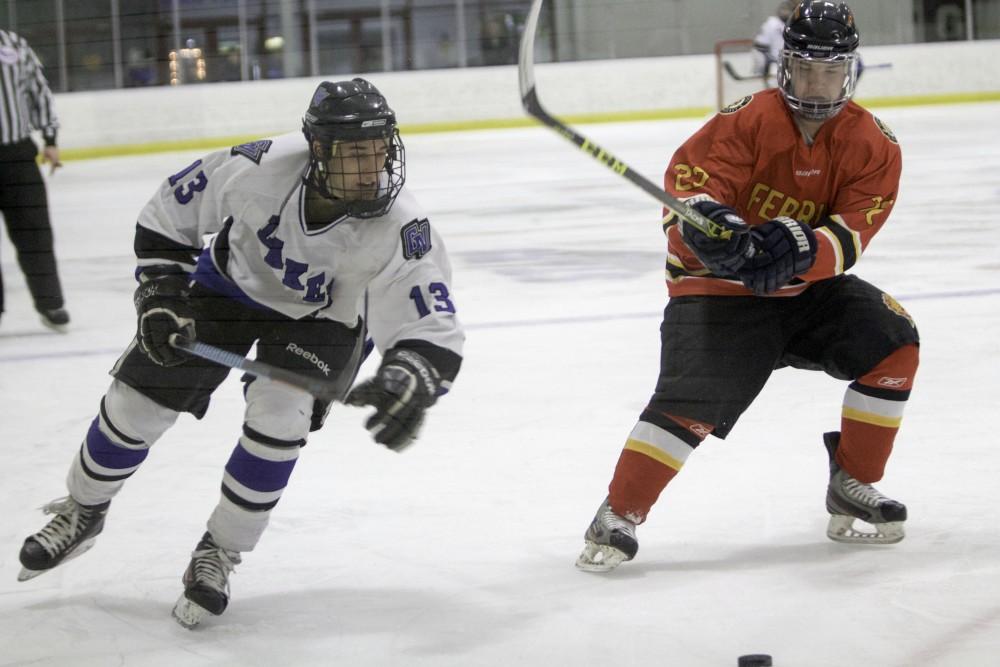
{"x": 25, "y": 209}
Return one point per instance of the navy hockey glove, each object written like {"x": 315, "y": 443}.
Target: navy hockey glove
{"x": 161, "y": 302}
{"x": 723, "y": 257}
{"x": 404, "y": 387}
{"x": 784, "y": 249}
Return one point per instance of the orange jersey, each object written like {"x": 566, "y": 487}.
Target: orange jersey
{"x": 751, "y": 156}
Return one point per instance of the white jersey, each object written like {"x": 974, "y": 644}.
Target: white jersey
{"x": 391, "y": 270}
{"x": 770, "y": 39}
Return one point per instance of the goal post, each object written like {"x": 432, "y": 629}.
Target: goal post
{"x": 734, "y": 76}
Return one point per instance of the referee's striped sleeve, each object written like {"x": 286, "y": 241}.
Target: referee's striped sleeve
{"x": 43, "y": 115}
{"x": 10, "y": 108}
{"x": 26, "y": 101}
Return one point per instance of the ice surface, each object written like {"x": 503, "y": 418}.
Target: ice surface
{"x": 461, "y": 550}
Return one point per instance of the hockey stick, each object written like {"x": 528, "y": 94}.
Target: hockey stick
{"x": 736, "y": 75}
{"x": 532, "y": 105}
{"x": 321, "y": 389}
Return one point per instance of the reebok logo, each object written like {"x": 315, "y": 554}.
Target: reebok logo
{"x": 310, "y": 357}
{"x": 700, "y": 430}
{"x": 891, "y": 382}
{"x": 808, "y": 172}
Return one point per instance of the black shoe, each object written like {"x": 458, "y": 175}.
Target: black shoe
{"x": 71, "y": 533}
{"x": 56, "y": 319}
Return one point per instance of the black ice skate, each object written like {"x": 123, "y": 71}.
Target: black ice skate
{"x": 56, "y": 319}
{"x": 608, "y": 542}
{"x": 206, "y": 582}
{"x": 71, "y": 533}
{"x": 848, "y": 499}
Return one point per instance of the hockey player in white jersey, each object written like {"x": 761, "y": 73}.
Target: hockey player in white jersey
{"x": 769, "y": 40}
{"x": 310, "y": 244}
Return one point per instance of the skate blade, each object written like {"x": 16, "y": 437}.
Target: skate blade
{"x": 189, "y": 614}
{"x": 58, "y": 328}
{"x": 25, "y": 574}
{"x": 599, "y": 558}
{"x": 841, "y": 529}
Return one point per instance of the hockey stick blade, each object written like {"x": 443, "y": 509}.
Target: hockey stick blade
{"x": 533, "y": 106}
{"x": 321, "y": 389}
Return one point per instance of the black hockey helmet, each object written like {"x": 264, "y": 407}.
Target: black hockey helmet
{"x": 822, "y": 33}
{"x": 344, "y": 112}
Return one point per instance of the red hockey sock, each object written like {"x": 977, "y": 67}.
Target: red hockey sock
{"x": 872, "y": 413}
{"x": 637, "y": 484}
{"x": 652, "y": 456}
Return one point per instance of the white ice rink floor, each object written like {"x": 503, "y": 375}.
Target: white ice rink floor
{"x": 461, "y": 550}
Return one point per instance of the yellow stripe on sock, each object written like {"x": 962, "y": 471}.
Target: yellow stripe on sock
{"x": 654, "y": 453}
{"x": 871, "y": 418}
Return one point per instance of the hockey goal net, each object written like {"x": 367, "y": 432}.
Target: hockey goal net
{"x": 734, "y": 71}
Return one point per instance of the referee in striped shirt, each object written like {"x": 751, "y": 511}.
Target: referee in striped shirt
{"x": 26, "y": 104}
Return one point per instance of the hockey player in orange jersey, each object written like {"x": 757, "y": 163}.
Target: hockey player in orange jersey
{"x": 803, "y": 179}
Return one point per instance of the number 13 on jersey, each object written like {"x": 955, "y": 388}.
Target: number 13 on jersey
{"x": 185, "y": 192}
{"x": 438, "y": 296}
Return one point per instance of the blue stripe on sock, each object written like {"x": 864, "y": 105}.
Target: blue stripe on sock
{"x": 256, "y": 473}
{"x": 107, "y": 454}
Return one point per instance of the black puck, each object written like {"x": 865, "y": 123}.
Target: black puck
{"x": 754, "y": 660}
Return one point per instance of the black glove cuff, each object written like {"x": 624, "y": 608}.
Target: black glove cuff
{"x": 428, "y": 379}
{"x": 160, "y": 288}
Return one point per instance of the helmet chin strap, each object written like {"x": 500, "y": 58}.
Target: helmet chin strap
{"x": 324, "y": 205}
{"x": 320, "y": 210}
{"x": 815, "y": 112}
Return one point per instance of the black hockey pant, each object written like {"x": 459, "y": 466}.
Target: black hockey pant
{"x": 25, "y": 210}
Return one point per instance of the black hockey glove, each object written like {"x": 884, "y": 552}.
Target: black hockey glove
{"x": 723, "y": 257}
{"x": 161, "y": 302}
{"x": 404, "y": 387}
{"x": 784, "y": 249}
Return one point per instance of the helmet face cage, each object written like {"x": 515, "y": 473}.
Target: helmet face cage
{"x": 836, "y": 76}
{"x": 364, "y": 172}
{"x": 818, "y": 70}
